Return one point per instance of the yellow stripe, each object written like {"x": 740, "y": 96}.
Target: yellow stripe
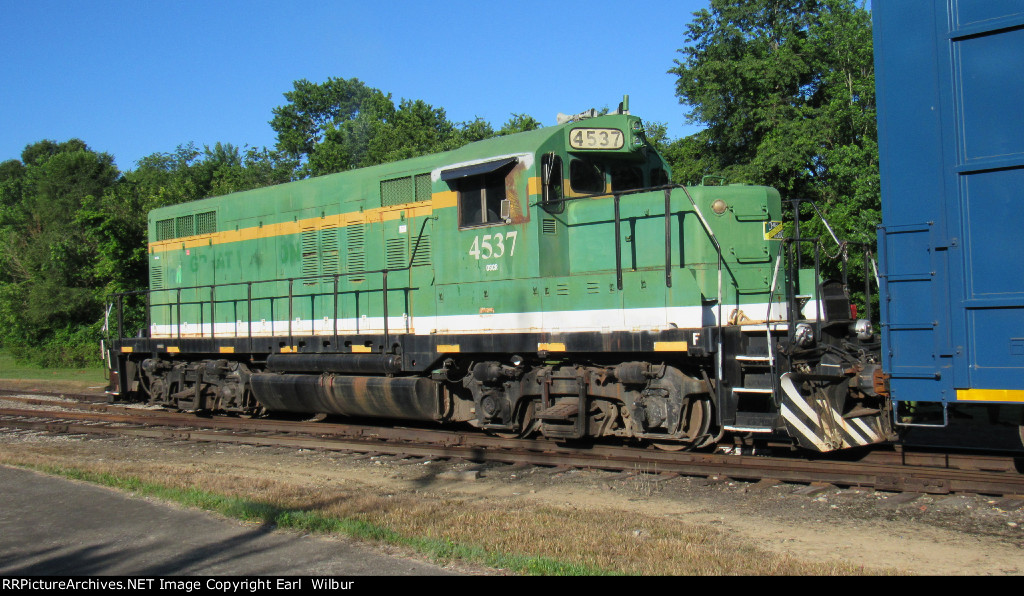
{"x": 173, "y": 349}
{"x": 289, "y": 349}
{"x": 361, "y": 349}
{"x": 670, "y": 346}
{"x": 555, "y": 347}
{"x": 990, "y": 395}
{"x": 444, "y": 199}
{"x": 396, "y": 212}
{"x": 227, "y": 349}
{"x": 126, "y": 349}
{"x": 534, "y": 186}
{"x": 449, "y": 348}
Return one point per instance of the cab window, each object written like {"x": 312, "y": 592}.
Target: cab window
{"x": 551, "y": 171}
{"x": 626, "y": 177}
{"x": 586, "y": 177}
{"x": 480, "y": 199}
{"x": 482, "y": 189}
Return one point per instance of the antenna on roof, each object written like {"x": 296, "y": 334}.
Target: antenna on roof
{"x": 592, "y": 113}
{"x": 563, "y": 119}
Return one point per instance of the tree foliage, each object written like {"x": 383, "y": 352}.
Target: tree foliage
{"x": 343, "y": 124}
{"x": 46, "y": 281}
{"x": 786, "y": 93}
{"x": 73, "y": 231}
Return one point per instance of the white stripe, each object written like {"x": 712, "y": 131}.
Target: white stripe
{"x": 794, "y": 395}
{"x": 802, "y": 429}
{"x": 857, "y": 437}
{"x": 875, "y": 436}
{"x": 566, "y": 321}
{"x": 749, "y": 429}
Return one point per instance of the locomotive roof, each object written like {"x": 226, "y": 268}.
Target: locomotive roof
{"x": 363, "y": 182}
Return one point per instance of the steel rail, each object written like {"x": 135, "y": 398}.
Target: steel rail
{"x": 892, "y": 471}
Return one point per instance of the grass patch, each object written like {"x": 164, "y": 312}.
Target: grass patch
{"x": 319, "y": 494}
{"x": 439, "y": 549}
{"x": 14, "y": 373}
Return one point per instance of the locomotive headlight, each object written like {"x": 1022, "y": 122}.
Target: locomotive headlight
{"x": 863, "y": 329}
{"x": 719, "y": 206}
{"x": 804, "y": 336}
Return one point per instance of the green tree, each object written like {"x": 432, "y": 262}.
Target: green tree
{"x": 519, "y": 123}
{"x": 116, "y": 222}
{"x": 47, "y": 282}
{"x": 343, "y": 124}
{"x": 786, "y": 93}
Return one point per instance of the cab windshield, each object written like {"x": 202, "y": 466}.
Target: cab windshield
{"x": 595, "y": 176}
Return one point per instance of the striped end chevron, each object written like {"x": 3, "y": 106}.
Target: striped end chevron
{"x": 818, "y": 426}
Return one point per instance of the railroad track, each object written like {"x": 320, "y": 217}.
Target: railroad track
{"x": 890, "y": 468}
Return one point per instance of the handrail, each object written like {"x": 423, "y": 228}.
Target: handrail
{"x": 718, "y": 317}
{"x": 174, "y": 305}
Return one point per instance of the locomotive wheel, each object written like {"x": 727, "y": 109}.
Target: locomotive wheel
{"x": 697, "y": 424}
{"x": 527, "y": 423}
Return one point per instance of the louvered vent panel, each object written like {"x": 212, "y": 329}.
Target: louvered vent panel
{"x": 423, "y": 190}
{"x": 156, "y": 276}
{"x": 562, "y": 289}
{"x": 357, "y": 251}
{"x": 548, "y": 227}
{"x": 184, "y": 226}
{"x": 397, "y": 253}
{"x": 165, "y": 229}
{"x": 396, "y": 192}
{"x": 421, "y": 246}
{"x": 310, "y": 261}
{"x": 329, "y": 259}
{"x": 593, "y": 287}
{"x": 206, "y": 223}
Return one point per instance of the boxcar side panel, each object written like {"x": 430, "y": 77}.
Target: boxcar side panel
{"x": 951, "y": 141}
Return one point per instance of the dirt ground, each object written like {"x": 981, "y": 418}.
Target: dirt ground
{"x": 920, "y": 534}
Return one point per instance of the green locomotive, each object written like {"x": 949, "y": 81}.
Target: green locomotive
{"x": 552, "y": 281}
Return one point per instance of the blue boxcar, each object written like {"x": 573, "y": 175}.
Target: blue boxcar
{"x": 950, "y": 79}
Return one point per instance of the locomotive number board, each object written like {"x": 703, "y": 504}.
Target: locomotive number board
{"x": 596, "y": 138}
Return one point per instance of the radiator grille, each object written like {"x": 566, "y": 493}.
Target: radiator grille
{"x": 421, "y": 246}
{"x": 423, "y": 191}
{"x": 156, "y": 276}
{"x": 330, "y": 262}
{"x": 206, "y": 223}
{"x": 165, "y": 229}
{"x": 357, "y": 251}
{"x": 309, "y": 255}
{"x": 396, "y": 191}
{"x": 184, "y": 226}
{"x": 397, "y": 253}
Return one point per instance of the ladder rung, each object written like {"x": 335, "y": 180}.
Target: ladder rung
{"x": 753, "y": 390}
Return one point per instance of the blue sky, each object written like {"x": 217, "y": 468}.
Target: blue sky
{"x": 138, "y": 77}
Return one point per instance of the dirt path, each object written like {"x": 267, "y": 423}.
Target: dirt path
{"x": 937, "y": 535}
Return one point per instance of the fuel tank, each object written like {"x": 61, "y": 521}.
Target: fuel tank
{"x": 404, "y": 398}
